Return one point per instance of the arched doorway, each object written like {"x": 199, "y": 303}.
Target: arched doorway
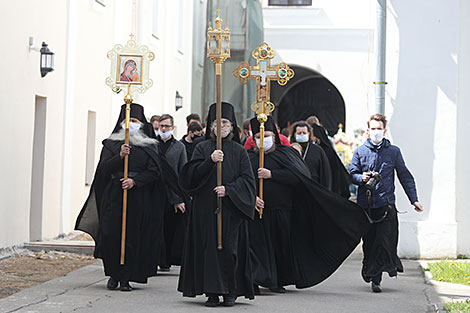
{"x": 308, "y": 93}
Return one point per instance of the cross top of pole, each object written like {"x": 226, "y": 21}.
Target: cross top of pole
{"x": 263, "y": 72}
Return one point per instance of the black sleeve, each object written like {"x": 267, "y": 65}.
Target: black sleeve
{"x": 205, "y": 167}
{"x": 110, "y": 162}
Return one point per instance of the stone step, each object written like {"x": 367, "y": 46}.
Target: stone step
{"x": 72, "y": 246}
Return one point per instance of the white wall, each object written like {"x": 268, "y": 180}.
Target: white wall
{"x": 18, "y": 90}
{"x": 422, "y": 47}
{"x": 329, "y": 39}
{"x": 463, "y": 118}
{"x": 80, "y": 33}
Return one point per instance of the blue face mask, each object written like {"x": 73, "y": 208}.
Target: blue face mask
{"x": 301, "y": 138}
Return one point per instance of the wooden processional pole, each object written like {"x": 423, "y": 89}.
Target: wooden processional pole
{"x": 128, "y": 101}
{"x": 218, "y": 50}
{"x": 136, "y": 59}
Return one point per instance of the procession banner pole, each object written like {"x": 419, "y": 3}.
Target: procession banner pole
{"x": 263, "y": 73}
{"x": 129, "y": 67}
{"x": 218, "y": 73}
{"x": 128, "y": 101}
{"x": 218, "y": 50}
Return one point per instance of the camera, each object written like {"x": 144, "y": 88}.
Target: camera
{"x": 374, "y": 179}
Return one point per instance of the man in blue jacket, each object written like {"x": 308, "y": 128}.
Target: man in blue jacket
{"x": 373, "y": 169}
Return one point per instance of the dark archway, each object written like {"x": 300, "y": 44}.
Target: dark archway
{"x": 308, "y": 93}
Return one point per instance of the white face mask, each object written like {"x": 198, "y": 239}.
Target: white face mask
{"x": 224, "y": 131}
{"x": 165, "y": 135}
{"x": 376, "y": 135}
{"x": 268, "y": 142}
{"x": 301, "y": 138}
{"x": 133, "y": 127}
{"x": 250, "y": 133}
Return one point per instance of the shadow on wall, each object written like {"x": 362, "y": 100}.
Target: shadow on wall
{"x": 425, "y": 65}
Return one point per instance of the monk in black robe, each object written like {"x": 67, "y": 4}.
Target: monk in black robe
{"x": 205, "y": 269}
{"x": 314, "y": 156}
{"x": 340, "y": 178}
{"x": 306, "y": 231}
{"x": 101, "y": 216}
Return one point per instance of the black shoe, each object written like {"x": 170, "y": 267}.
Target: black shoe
{"x": 256, "y": 290}
{"x": 112, "y": 283}
{"x": 229, "y": 300}
{"x": 165, "y": 268}
{"x": 278, "y": 290}
{"x": 125, "y": 286}
{"x": 212, "y": 301}
{"x": 376, "y": 288}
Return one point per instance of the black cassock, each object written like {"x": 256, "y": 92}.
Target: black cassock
{"x": 101, "y": 216}
{"x": 271, "y": 247}
{"x": 340, "y": 179}
{"x": 204, "y": 268}
{"x": 303, "y": 245}
{"x": 318, "y": 164}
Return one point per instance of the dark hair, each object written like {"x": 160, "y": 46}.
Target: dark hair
{"x": 294, "y": 127}
{"x": 246, "y": 124}
{"x": 194, "y": 127}
{"x": 285, "y": 132}
{"x": 166, "y": 117}
{"x": 379, "y": 118}
{"x": 193, "y": 116}
{"x": 154, "y": 118}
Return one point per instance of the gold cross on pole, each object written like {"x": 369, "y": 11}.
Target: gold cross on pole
{"x": 263, "y": 73}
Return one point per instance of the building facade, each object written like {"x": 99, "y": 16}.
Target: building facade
{"x": 427, "y": 96}
{"x": 55, "y": 124}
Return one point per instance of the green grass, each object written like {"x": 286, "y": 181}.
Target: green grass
{"x": 458, "y": 307}
{"x": 450, "y": 271}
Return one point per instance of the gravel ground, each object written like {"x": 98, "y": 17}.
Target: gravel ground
{"x": 26, "y": 269}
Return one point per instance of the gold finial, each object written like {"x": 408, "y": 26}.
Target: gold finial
{"x": 132, "y": 36}
{"x": 218, "y": 21}
{"x": 340, "y": 126}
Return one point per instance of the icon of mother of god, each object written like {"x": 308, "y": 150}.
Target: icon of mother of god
{"x": 130, "y": 72}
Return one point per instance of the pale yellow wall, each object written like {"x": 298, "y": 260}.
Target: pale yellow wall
{"x": 95, "y": 36}
{"x": 20, "y": 83}
{"x": 77, "y": 84}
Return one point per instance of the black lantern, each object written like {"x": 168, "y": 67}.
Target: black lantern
{"x": 47, "y": 60}
{"x": 178, "y": 101}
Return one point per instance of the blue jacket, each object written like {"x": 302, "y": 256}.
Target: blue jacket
{"x": 385, "y": 159}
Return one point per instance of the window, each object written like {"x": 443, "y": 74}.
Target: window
{"x": 290, "y": 2}
{"x": 90, "y": 147}
{"x": 101, "y": 2}
{"x": 155, "y": 19}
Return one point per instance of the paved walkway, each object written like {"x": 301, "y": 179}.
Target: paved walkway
{"x": 85, "y": 290}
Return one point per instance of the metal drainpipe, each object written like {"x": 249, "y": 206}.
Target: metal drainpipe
{"x": 381, "y": 48}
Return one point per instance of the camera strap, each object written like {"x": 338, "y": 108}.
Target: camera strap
{"x": 368, "y": 212}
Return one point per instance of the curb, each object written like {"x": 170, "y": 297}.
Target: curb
{"x": 428, "y": 279}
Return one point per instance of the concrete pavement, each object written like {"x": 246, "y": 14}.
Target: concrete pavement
{"x": 85, "y": 290}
